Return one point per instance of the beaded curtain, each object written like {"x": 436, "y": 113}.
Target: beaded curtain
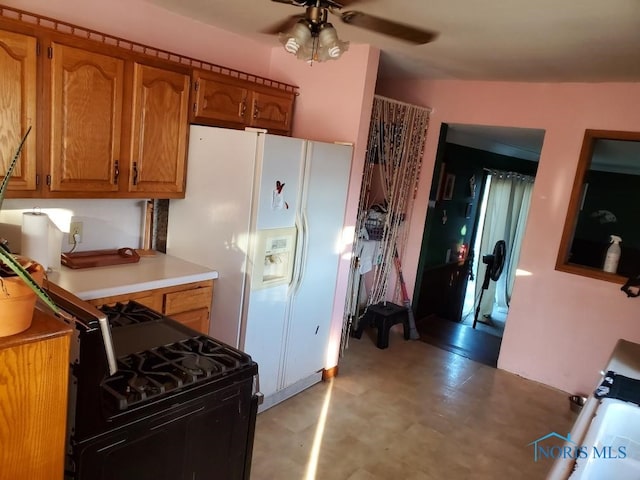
{"x": 397, "y": 134}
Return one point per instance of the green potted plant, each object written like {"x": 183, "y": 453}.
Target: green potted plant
{"x": 20, "y": 278}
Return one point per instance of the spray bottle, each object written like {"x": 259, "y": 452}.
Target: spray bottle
{"x": 613, "y": 255}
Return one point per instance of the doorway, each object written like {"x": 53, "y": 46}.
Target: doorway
{"x": 465, "y": 218}
{"x": 504, "y": 209}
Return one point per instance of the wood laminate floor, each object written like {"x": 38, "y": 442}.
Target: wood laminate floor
{"x": 475, "y": 344}
{"x": 410, "y": 412}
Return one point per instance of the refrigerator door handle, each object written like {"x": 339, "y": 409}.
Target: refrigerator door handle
{"x": 303, "y": 228}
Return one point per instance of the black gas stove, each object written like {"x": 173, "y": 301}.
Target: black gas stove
{"x": 180, "y": 405}
{"x": 152, "y": 364}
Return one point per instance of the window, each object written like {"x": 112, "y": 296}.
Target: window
{"x": 605, "y": 201}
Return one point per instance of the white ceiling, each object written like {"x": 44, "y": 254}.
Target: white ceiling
{"x": 508, "y": 40}
{"x": 616, "y": 156}
{"x": 525, "y": 143}
{"x": 511, "y": 40}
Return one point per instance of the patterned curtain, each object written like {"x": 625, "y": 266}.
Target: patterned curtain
{"x": 397, "y": 134}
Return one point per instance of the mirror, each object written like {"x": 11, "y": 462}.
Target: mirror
{"x": 605, "y": 201}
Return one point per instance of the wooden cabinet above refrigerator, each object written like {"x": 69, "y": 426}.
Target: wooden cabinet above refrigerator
{"x": 225, "y": 101}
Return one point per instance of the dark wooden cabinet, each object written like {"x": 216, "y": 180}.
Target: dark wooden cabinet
{"x": 442, "y": 291}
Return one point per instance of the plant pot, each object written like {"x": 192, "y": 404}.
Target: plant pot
{"x": 17, "y": 301}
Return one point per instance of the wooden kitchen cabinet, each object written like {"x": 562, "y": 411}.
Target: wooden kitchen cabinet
{"x": 189, "y": 303}
{"x": 222, "y": 100}
{"x": 18, "y": 100}
{"x": 86, "y": 120}
{"x": 110, "y": 117}
{"x": 219, "y": 100}
{"x": 90, "y": 94}
{"x": 159, "y": 131}
{"x": 271, "y": 109}
{"x": 34, "y": 372}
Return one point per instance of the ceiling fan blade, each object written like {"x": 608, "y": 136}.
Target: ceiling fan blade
{"x": 283, "y": 26}
{"x": 323, "y": 3}
{"x": 387, "y": 27}
{"x": 289, "y": 2}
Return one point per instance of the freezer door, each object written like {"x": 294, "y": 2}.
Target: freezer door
{"x": 280, "y": 160}
{"x": 265, "y": 333}
{"x": 210, "y": 226}
{"x": 323, "y": 206}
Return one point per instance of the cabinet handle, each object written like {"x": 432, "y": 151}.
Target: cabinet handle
{"x": 243, "y": 107}
{"x": 256, "y": 109}
{"x": 135, "y": 173}
{"x": 116, "y": 172}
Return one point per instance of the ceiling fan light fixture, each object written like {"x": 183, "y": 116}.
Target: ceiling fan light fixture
{"x": 331, "y": 47}
{"x": 299, "y": 35}
{"x": 308, "y": 50}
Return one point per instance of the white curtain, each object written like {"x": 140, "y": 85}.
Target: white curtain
{"x": 507, "y": 210}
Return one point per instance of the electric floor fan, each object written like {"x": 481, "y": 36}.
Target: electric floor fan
{"x": 495, "y": 264}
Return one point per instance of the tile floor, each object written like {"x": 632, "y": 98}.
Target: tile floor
{"x": 410, "y": 412}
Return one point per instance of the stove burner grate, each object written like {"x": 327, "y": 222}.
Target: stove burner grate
{"x": 160, "y": 370}
{"x": 122, "y": 314}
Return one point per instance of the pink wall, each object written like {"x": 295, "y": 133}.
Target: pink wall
{"x": 561, "y": 327}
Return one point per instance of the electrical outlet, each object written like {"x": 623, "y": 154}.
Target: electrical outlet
{"x": 75, "y": 232}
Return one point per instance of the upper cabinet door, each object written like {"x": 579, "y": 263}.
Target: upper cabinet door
{"x": 219, "y": 99}
{"x": 159, "y": 131}
{"x": 86, "y": 115}
{"x": 18, "y": 107}
{"x": 272, "y": 110}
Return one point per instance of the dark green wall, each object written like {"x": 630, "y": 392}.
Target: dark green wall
{"x": 463, "y": 162}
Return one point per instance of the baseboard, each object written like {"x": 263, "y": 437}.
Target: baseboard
{"x": 329, "y": 373}
{"x": 290, "y": 391}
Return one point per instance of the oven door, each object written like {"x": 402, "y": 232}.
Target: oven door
{"x": 205, "y": 439}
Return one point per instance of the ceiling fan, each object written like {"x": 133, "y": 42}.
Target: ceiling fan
{"x": 311, "y": 37}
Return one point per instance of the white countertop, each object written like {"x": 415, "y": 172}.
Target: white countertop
{"x": 624, "y": 360}
{"x": 150, "y": 272}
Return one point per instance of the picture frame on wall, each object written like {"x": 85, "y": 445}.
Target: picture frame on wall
{"x": 449, "y": 183}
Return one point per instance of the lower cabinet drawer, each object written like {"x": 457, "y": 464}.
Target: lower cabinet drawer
{"x": 188, "y": 303}
{"x": 187, "y": 300}
{"x": 152, "y": 301}
{"x": 147, "y": 298}
{"x": 196, "y": 319}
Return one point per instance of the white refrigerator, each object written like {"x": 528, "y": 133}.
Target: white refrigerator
{"x": 266, "y": 212}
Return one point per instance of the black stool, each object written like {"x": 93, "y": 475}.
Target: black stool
{"x": 383, "y": 316}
